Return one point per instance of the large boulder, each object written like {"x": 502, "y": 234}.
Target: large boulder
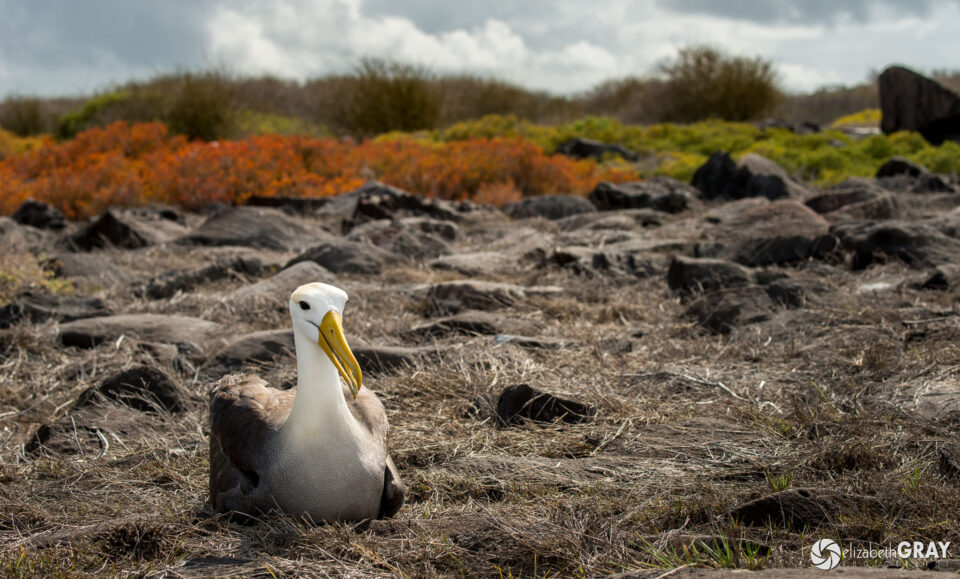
{"x": 252, "y": 227}
{"x": 417, "y": 238}
{"x": 142, "y": 388}
{"x": 169, "y": 283}
{"x": 345, "y": 256}
{"x": 39, "y": 215}
{"x": 754, "y": 176}
{"x": 723, "y": 311}
{"x": 914, "y": 243}
{"x": 125, "y": 230}
{"x": 89, "y": 332}
{"x": 802, "y": 508}
{"x": 688, "y": 276}
{"x": 778, "y": 233}
{"x": 549, "y": 207}
{"x": 41, "y": 307}
{"x": 912, "y": 102}
{"x": 661, "y": 193}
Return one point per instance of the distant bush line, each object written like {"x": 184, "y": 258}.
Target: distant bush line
{"x": 379, "y": 96}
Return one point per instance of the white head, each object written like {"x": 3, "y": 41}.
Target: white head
{"x": 316, "y": 310}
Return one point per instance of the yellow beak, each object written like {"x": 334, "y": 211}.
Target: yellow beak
{"x": 334, "y": 344}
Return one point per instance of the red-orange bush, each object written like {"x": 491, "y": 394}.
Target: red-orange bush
{"x": 125, "y": 164}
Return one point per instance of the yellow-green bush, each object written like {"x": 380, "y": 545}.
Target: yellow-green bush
{"x": 869, "y": 117}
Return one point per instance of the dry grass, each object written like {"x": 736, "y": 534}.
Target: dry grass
{"x": 689, "y": 425}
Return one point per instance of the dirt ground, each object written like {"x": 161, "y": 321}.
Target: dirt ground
{"x": 853, "y": 394}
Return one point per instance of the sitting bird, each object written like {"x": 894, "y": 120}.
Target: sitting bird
{"x": 319, "y": 450}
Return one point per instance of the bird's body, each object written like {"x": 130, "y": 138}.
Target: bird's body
{"x": 318, "y": 450}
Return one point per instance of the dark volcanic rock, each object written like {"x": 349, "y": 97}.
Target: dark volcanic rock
{"x": 900, "y": 166}
{"x": 522, "y": 401}
{"x": 41, "y": 307}
{"x": 277, "y": 288}
{"x": 916, "y": 244}
{"x": 375, "y": 360}
{"x": 91, "y": 270}
{"x": 662, "y": 194}
{"x": 723, "y": 311}
{"x": 911, "y": 102}
{"x": 945, "y": 277}
{"x": 454, "y": 296}
{"x": 549, "y": 206}
{"x": 580, "y": 148}
{"x": 252, "y": 227}
{"x": 167, "y": 284}
{"x": 474, "y": 323}
{"x": 849, "y": 192}
{"x": 125, "y": 230}
{"x": 950, "y": 460}
{"x": 89, "y": 332}
{"x": 692, "y": 276}
{"x": 787, "y": 293}
{"x": 607, "y": 260}
{"x": 343, "y": 256}
{"x": 142, "y": 388}
{"x": 414, "y": 239}
{"x": 781, "y": 233}
{"x": 785, "y": 250}
{"x": 802, "y": 508}
{"x": 753, "y": 176}
{"x": 251, "y": 350}
{"x": 39, "y": 215}
{"x": 374, "y": 201}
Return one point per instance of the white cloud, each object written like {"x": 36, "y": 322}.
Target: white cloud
{"x": 303, "y": 39}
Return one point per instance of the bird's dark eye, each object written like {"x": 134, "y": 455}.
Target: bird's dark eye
{"x": 304, "y": 306}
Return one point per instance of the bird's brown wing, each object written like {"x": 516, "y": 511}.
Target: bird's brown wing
{"x": 368, "y": 410}
{"x": 244, "y": 414}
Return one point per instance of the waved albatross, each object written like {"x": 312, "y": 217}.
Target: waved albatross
{"x": 318, "y": 450}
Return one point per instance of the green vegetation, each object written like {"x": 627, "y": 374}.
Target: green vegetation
{"x": 73, "y": 123}
{"x": 386, "y": 96}
{"x": 704, "y": 83}
{"x": 677, "y": 150}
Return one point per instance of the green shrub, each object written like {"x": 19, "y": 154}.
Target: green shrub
{"x": 72, "y": 123}
{"x": 702, "y": 83}
{"x": 202, "y": 106}
{"x": 388, "y": 96}
{"x": 24, "y": 116}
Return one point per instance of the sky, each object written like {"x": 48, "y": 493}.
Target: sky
{"x": 69, "y": 47}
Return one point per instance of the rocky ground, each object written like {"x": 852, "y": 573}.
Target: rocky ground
{"x": 663, "y": 376}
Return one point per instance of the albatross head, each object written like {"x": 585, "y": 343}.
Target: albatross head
{"x": 316, "y": 309}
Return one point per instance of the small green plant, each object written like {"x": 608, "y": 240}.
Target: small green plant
{"x": 779, "y": 483}
{"x": 914, "y": 479}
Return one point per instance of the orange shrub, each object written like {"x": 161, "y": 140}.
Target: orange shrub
{"x": 125, "y": 164}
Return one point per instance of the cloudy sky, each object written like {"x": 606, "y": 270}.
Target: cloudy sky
{"x": 68, "y": 47}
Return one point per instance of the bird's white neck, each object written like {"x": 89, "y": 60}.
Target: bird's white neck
{"x": 319, "y": 410}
